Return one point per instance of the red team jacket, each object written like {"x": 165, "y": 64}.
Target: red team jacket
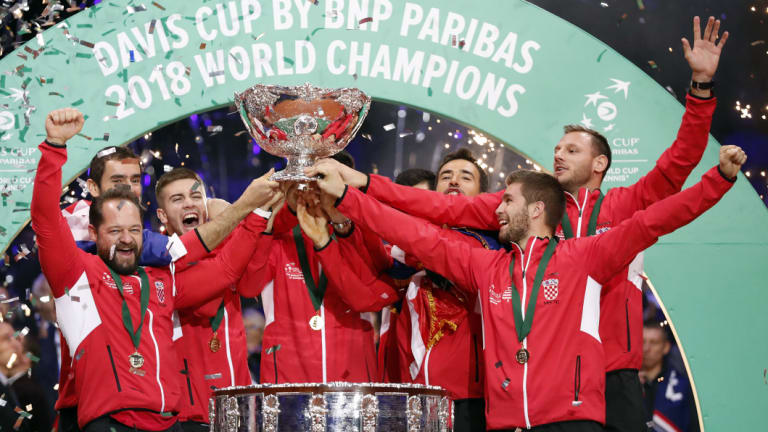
{"x": 565, "y": 377}
{"x": 88, "y": 309}
{"x": 621, "y": 321}
{"x": 343, "y": 349}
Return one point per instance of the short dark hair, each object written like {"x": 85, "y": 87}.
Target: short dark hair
{"x": 96, "y": 212}
{"x": 467, "y": 155}
{"x": 654, "y": 324}
{"x": 539, "y": 186}
{"x": 599, "y": 143}
{"x": 173, "y": 175}
{"x": 414, "y": 176}
{"x": 96, "y": 169}
{"x": 345, "y": 157}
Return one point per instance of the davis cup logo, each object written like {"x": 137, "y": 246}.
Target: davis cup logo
{"x": 603, "y": 108}
{"x": 550, "y": 289}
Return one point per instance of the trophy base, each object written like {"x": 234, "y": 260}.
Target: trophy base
{"x": 294, "y": 170}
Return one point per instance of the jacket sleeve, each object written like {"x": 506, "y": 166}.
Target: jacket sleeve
{"x": 438, "y": 249}
{"x": 352, "y": 279}
{"x": 674, "y": 165}
{"x": 440, "y": 209}
{"x": 606, "y": 254}
{"x": 60, "y": 259}
{"x": 208, "y": 278}
{"x": 260, "y": 269}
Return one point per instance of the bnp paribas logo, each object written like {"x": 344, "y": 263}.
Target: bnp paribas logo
{"x": 600, "y": 109}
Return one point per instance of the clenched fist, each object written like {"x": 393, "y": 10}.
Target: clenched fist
{"x": 731, "y": 159}
{"x": 62, "y": 124}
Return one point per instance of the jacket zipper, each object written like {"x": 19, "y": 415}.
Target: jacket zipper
{"x": 189, "y": 382}
{"x": 477, "y": 361}
{"x": 577, "y": 382}
{"x": 114, "y": 370}
{"x": 580, "y": 208}
{"x": 626, "y": 314}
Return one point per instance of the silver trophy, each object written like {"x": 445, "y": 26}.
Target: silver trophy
{"x": 301, "y": 123}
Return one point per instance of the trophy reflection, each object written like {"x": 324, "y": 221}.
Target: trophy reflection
{"x": 301, "y": 123}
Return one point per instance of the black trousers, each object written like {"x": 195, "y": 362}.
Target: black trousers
{"x": 624, "y": 410}
{"x": 469, "y": 415}
{"x": 191, "y": 426}
{"x": 568, "y": 426}
{"x": 108, "y": 424}
{"x": 68, "y": 420}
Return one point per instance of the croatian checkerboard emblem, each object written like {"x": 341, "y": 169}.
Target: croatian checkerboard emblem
{"x": 160, "y": 290}
{"x": 550, "y": 289}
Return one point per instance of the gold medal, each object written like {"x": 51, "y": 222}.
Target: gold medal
{"x": 214, "y": 344}
{"x": 522, "y": 356}
{"x": 316, "y": 322}
{"x": 136, "y": 360}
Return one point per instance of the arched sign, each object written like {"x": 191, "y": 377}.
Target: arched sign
{"x": 505, "y": 67}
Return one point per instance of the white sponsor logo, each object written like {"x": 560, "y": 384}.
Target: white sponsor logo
{"x": 292, "y": 272}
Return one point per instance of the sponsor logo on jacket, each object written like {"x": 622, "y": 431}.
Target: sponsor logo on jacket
{"x": 551, "y": 290}
{"x": 293, "y": 272}
{"x": 107, "y": 278}
{"x": 496, "y": 296}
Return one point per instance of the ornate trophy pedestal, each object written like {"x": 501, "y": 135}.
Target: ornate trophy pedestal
{"x": 332, "y": 407}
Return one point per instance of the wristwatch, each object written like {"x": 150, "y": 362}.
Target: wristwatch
{"x": 341, "y": 226}
{"x": 702, "y": 85}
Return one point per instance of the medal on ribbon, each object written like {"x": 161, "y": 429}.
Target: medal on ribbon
{"x": 316, "y": 291}
{"x": 135, "y": 360}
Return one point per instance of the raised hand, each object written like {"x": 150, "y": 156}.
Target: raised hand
{"x": 348, "y": 175}
{"x": 705, "y": 54}
{"x": 731, "y": 159}
{"x": 260, "y": 191}
{"x": 62, "y": 124}
{"x": 312, "y": 222}
{"x": 329, "y": 176}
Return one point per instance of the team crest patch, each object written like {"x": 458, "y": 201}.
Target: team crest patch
{"x": 550, "y": 289}
{"x": 293, "y": 272}
{"x": 108, "y": 280}
{"x": 160, "y": 290}
{"x": 495, "y": 296}
{"x": 602, "y": 230}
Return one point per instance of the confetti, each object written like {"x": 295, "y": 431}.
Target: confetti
{"x": 505, "y": 383}
{"x": 134, "y": 9}
{"x": 365, "y": 20}
{"x": 120, "y": 206}
{"x": 202, "y": 45}
{"x": 194, "y": 188}
{"x": 10, "y": 300}
{"x": 405, "y": 134}
{"x": 238, "y": 133}
{"x": 216, "y": 73}
{"x": 215, "y": 129}
{"x": 133, "y": 59}
{"x": 11, "y": 361}
{"x": 653, "y": 64}
{"x": 757, "y": 42}
{"x": 112, "y": 252}
{"x": 34, "y": 358}
{"x": 389, "y": 127}
{"x": 152, "y": 26}
{"x": 157, "y": 5}
{"x": 212, "y": 376}
{"x": 640, "y": 5}
{"x": 498, "y": 364}
{"x": 86, "y": 44}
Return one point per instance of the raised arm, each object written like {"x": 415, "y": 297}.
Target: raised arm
{"x": 607, "y": 253}
{"x": 676, "y": 163}
{"x": 209, "y": 277}
{"x": 350, "y": 276}
{"x": 59, "y": 255}
{"x": 436, "y": 248}
{"x": 440, "y": 209}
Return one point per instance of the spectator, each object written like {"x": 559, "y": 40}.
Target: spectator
{"x": 10, "y": 371}
{"x": 417, "y": 177}
{"x": 46, "y": 370}
{"x": 667, "y": 394}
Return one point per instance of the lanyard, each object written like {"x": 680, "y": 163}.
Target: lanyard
{"x": 591, "y": 228}
{"x": 216, "y": 321}
{"x": 523, "y": 327}
{"x": 127, "y": 321}
{"x": 316, "y": 291}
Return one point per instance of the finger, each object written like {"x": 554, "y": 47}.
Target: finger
{"x": 715, "y": 31}
{"x": 722, "y": 40}
{"x": 55, "y": 117}
{"x": 708, "y": 28}
{"x": 696, "y": 29}
{"x": 70, "y": 116}
{"x": 686, "y": 47}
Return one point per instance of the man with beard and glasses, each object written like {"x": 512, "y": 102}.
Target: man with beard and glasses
{"x": 124, "y": 382}
{"x": 211, "y": 343}
{"x": 540, "y": 302}
{"x": 582, "y": 157}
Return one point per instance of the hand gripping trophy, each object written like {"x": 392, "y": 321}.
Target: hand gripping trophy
{"x": 301, "y": 123}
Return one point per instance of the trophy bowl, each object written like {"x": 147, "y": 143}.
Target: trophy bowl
{"x": 301, "y": 123}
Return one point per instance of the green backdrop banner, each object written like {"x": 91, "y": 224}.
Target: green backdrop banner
{"x": 504, "y": 67}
